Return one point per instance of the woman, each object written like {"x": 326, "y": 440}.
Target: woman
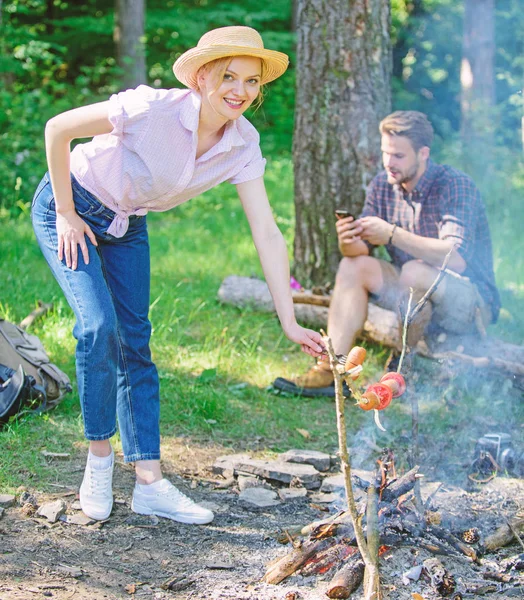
{"x": 151, "y": 150}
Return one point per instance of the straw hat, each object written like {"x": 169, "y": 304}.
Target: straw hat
{"x": 229, "y": 41}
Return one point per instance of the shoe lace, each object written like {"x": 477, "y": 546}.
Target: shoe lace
{"x": 99, "y": 481}
{"x": 177, "y": 496}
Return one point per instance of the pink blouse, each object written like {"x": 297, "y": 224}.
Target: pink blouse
{"x": 148, "y": 161}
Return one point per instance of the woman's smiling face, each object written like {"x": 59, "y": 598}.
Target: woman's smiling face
{"x": 238, "y": 89}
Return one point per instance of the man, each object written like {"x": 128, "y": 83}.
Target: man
{"x": 419, "y": 211}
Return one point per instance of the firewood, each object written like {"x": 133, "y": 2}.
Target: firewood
{"x": 448, "y": 537}
{"x": 372, "y": 533}
{"x": 346, "y": 580}
{"x": 504, "y": 535}
{"x": 502, "y": 577}
{"x": 331, "y": 557}
{"x": 400, "y": 486}
{"x": 289, "y": 563}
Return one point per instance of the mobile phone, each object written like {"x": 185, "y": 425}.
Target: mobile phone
{"x": 342, "y": 213}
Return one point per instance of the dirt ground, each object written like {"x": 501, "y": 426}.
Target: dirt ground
{"x": 131, "y": 557}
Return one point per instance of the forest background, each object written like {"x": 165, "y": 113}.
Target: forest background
{"x": 57, "y": 55}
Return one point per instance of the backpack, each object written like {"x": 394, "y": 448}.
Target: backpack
{"x": 27, "y": 376}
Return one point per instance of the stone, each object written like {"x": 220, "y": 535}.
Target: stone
{"x": 292, "y": 493}
{"x": 245, "y": 482}
{"x": 69, "y": 571}
{"x": 7, "y": 500}
{"x": 271, "y": 470}
{"x": 259, "y": 497}
{"x": 77, "y": 519}
{"x": 322, "y": 498}
{"x": 52, "y": 511}
{"x": 136, "y": 520}
{"x": 76, "y": 505}
{"x": 2, "y": 511}
{"x": 320, "y": 460}
{"x": 27, "y": 498}
{"x": 214, "y": 506}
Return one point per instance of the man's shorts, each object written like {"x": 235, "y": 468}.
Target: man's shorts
{"x": 457, "y": 310}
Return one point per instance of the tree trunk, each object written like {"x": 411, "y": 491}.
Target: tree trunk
{"x": 477, "y": 78}
{"x": 343, "y": 91}
{"x": 128, "y": 35}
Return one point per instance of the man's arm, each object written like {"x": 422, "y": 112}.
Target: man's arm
{"x": 431, "y": 250}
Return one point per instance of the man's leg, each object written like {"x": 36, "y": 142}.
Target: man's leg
{"x": 356, "y": 278}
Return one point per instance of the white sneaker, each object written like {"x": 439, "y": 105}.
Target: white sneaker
{"x": 96, "y": 493}
{"x": 164, "y": 500}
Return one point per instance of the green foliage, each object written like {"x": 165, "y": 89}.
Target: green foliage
{"x": 427, "y": 38}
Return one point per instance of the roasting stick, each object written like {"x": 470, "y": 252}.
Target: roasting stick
{"x": 372, "y": 579}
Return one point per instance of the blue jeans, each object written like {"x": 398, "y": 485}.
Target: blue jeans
{"x": 110, "y": 299}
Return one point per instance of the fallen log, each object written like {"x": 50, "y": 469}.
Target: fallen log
{"x": 504, "y": 535}
{"x": 346, "y": 580}
{"x": 381, "y": 326}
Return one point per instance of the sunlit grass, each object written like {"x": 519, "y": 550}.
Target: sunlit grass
{"x": 216, "y": 361}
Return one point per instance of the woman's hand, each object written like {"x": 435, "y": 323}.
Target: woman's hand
{"x": 310, "y": 341}
{"x": 72, "y": 231}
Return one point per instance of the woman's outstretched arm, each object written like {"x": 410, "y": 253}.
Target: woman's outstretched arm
{"x": 272, "y": 251}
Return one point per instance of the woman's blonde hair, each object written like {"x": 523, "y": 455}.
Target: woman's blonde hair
{"x": 217, "y": 69}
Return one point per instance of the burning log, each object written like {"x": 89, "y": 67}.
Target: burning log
{"x": 288, "y": 564}
{"x": 400, "y": 486}
{"x": 346, "y": 580}
{"x": 504, "y": 535}
{"x": 444, "y": 535}
{"x": 331, "y": 557}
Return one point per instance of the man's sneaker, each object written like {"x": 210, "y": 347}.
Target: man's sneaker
{"x": 96, "y": 492}
{"x": 164, "y": 500}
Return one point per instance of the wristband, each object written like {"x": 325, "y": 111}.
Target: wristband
{"x": 392, "y": 233}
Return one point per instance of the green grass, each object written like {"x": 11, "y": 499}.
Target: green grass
{"x": 216, "y": 361}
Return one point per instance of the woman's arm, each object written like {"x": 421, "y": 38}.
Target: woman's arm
{"x": 87, "y": 121}
{"x": 272, "y": 251}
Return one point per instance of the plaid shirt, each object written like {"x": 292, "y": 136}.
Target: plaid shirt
{"x": 446, "y": 205}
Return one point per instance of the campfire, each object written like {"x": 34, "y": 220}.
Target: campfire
{"x": 348, "y": 545}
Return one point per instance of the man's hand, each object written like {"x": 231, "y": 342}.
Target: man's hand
{"x": 72, "y": 231}
{"x": 376, "y": 231}
{"x": 348, "y": 230}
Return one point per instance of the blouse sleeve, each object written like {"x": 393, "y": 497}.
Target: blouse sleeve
{"x": 253, "y": 169}
{"x": 129, "y": 113}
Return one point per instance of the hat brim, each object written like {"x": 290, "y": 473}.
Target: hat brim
{"x": 187, "y": 65}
